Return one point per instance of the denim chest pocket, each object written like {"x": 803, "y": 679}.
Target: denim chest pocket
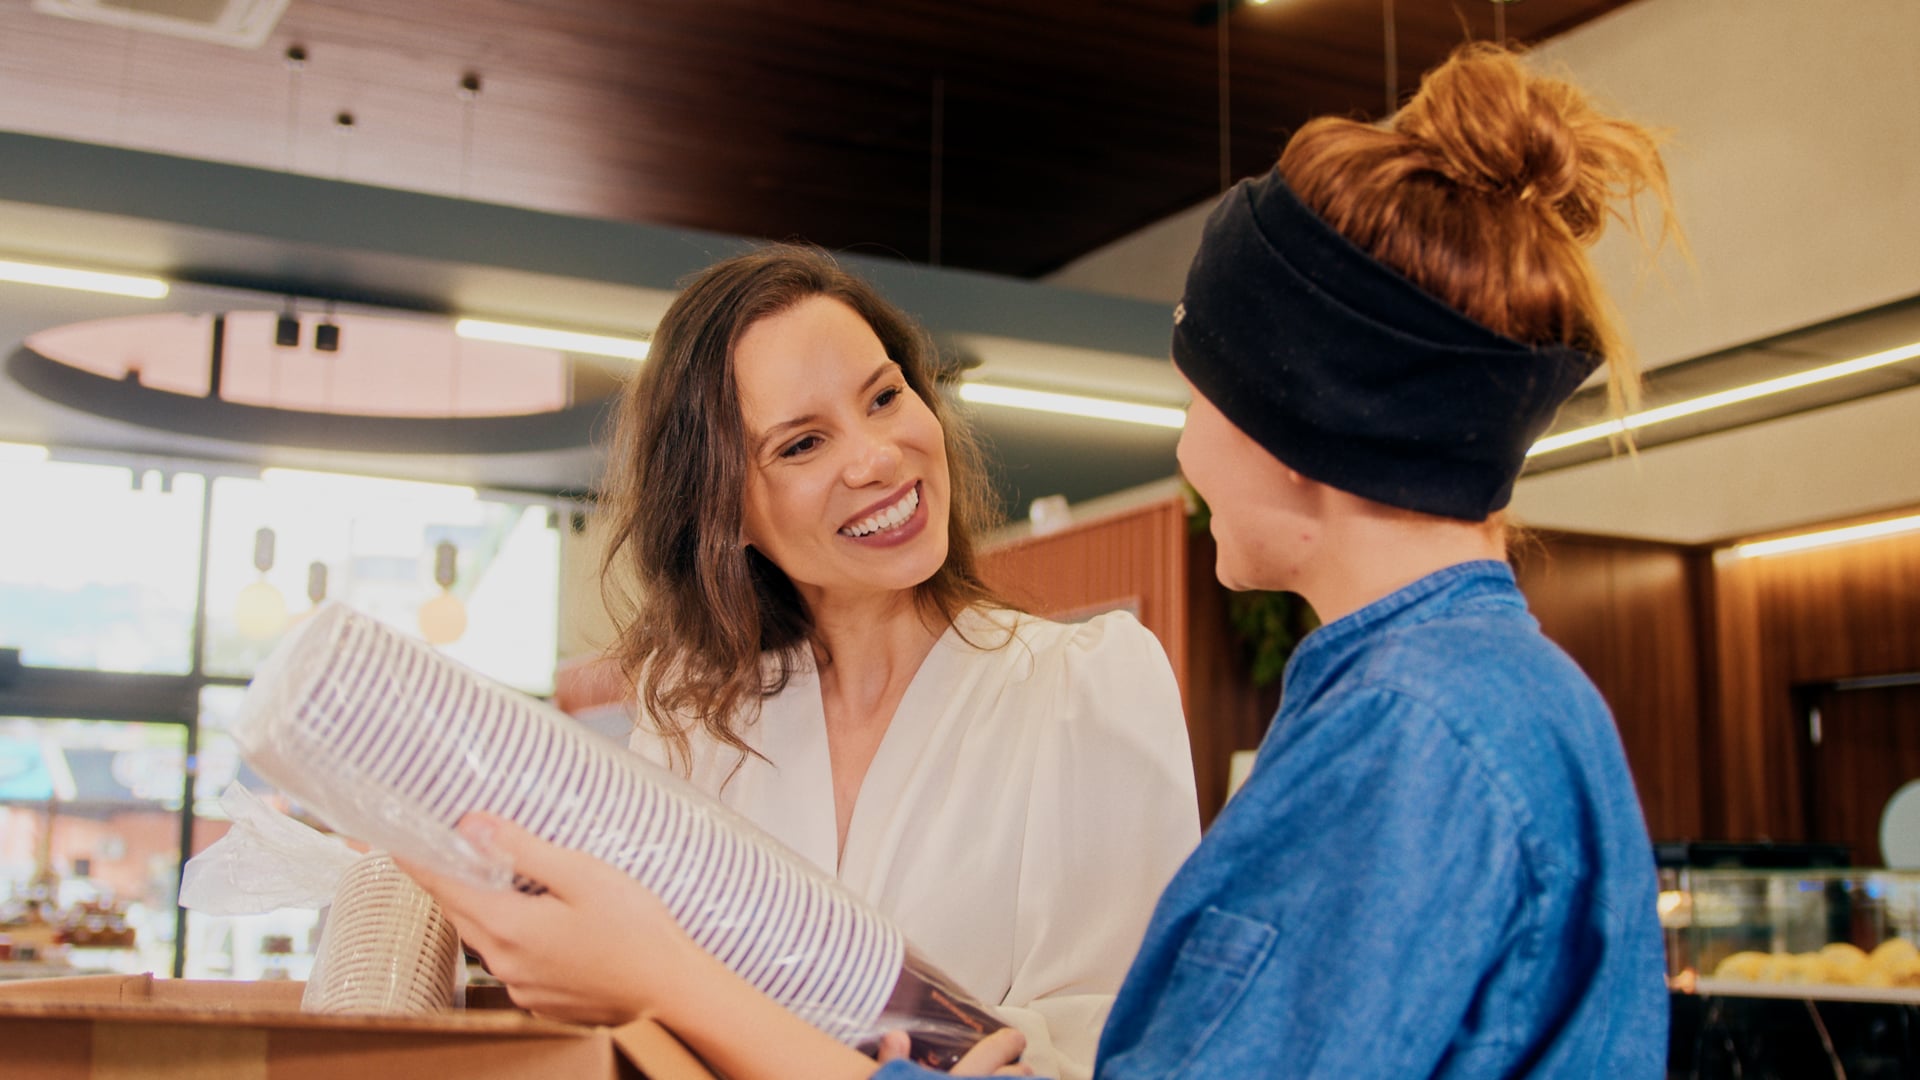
{"x": 1220, "y": 956}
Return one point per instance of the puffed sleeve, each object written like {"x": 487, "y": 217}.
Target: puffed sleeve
{"x": 1112, "y": 815}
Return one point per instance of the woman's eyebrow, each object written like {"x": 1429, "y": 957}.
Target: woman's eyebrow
{"x": 760, "y": 441}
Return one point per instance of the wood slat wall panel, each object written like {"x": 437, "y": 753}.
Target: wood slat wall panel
{"x": 1870, "y": 748}
{"x": 1135, "y": 558}
{"x": 1627, "y": 613}
{"x": 1833, "y": 613}
{"x": 1699, "y": 658}
{"x": 1758, "y": 765}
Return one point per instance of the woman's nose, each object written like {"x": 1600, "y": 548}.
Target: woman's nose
{"x": 875, "y": 459}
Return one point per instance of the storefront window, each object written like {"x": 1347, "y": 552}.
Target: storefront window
{"x": 376, "y": 542}
{"x": 90, "y": 820}
{"x": 100, "y": 577}
{"x": 99, "y": 566}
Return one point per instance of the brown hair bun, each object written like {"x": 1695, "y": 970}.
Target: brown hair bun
{"x": 1493, "y": 126}
{"x": 1486, "y": 190}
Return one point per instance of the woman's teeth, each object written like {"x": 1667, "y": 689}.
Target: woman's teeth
{"x": 889, "y": 518}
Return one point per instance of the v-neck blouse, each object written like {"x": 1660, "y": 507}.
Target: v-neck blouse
{"x": 1030, "y": 798}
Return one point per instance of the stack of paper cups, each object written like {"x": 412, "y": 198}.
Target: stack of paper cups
{"x": 388, "y": 741}
{"x": 387, "y": 948}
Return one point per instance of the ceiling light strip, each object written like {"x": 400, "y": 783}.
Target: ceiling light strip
{"x": 60, "y": 277}
{"x": 1723, "y": 398}
{"x": 1826, "y": 537}
{"x": 13, "y": 453}
{"x": 541, "y": 337}
{"x": 980, "y": 393}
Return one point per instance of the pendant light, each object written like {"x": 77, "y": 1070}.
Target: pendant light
{"x": 444, "y": 618}
{"x": 261, "y": 612}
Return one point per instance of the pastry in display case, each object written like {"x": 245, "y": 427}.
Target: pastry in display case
{"x": 1843, "y": 934}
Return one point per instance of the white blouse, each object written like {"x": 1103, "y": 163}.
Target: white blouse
{"x": 1029, "y": 800}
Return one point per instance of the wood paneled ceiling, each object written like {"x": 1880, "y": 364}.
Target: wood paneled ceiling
{"x": 1001, "y": 135}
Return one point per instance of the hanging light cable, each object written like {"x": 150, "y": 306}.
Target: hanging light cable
{"x": 936, "y": 169}
{"x": 1393, "y": 60}
{"x": 1226, "y": 102}
{"x": 469, "y": 100}
{"x": 296, "y": 64}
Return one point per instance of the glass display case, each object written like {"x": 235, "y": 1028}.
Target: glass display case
{"x": 1843, "y": 934}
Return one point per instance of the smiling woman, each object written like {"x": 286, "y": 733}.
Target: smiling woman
{"x": 812, "y": 644}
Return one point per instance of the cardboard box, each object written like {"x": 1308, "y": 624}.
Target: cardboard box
{"x": 136, "y": 1027}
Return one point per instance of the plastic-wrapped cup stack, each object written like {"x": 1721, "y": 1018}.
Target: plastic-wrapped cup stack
{"x": 386, "y": 740}
{"x": 387, "y": 948}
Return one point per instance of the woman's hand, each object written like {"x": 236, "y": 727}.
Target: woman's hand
{"x": 596, "y": 947}
{"x": 996, "y": 1055}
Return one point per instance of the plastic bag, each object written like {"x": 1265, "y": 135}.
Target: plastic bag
{"x": 385, "y": 946}
{"x": 266, "y": 861}
{"x": 389, "y": 741}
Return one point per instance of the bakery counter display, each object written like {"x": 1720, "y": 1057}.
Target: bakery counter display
{"x": 1792, "y": 973}
{"x": 1845, "y": 934}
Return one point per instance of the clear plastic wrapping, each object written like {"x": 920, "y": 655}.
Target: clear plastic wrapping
{"x": 386, "y": 740}
{"x": 385, "y": 945}
{"x": 266, "y": 861}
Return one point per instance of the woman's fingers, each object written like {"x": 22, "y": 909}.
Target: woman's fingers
{"x": 894, "y": 1045}
{"x": 993, "y": 1055}
{"x": 538, "y": 865}
{"x": 480, "y": 916}
{"x": 461, "y": 901}
{"x": 578, "y": 949}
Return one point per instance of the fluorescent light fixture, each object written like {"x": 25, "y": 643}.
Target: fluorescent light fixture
{"x": 13, "y": 453}
{"x": 981, "y": 393}
{"x": 347, "y": 485}
{"x": 61, "y": 277}
{"x": 540, "y": 337}
{"x": 1734, "y": 396}
{"x": 1825, "y": 537}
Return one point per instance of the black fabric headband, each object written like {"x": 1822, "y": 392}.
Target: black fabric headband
{"x": 1350, "y": 373}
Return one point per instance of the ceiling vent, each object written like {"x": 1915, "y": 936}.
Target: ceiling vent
{"x": 241, "y": 23}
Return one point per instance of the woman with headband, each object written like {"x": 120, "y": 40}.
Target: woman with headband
{"x": 1438, "y": 866}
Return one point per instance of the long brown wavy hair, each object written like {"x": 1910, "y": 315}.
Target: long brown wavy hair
{"x": 1486, "y": 190}
{"x": 707, "y": 627}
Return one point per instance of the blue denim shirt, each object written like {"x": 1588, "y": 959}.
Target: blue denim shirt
{"x": 1438, "y": 867}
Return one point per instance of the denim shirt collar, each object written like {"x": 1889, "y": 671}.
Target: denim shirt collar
{"x": 1323, "y": 652}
